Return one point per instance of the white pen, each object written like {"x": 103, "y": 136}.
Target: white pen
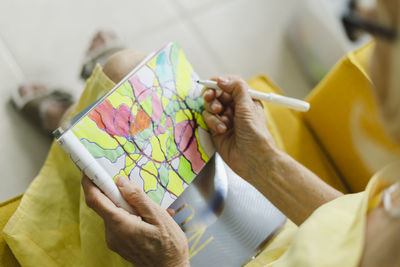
{"x": 280, "y": 100}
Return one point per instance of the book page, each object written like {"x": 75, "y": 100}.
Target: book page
{"x": 150, "y": 129}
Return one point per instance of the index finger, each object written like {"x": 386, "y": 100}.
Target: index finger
{"x": 97, "y": 201}
{"x": 224, "y": 97}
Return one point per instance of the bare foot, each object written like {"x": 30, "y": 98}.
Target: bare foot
{"x": 26, "y": 89}
{"x": 43, "y": 107}
{"x": 101, "y": 38}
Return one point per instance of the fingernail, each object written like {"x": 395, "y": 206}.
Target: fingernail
{"x": 223, "y": 80}
{"x": 208, "y": 91}
{"x": 221, "y": 127}
{"x": 214, "y": 106}
{"x": 122, "y": 181}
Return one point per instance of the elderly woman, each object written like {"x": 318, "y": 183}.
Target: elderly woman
{"x": 242, "y": 138}
{"x": 367, "y": 232}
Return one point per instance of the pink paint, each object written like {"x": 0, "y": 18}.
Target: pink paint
{"x": 139, "y": 89}
{"x": 121, "y": 120}
{"x": 187, "y": 144}
{"x": 159, "y": 130}
{"x": 114, "y": 121}
{"x": 157, "y": 107}
{"x": 168, "y": 122}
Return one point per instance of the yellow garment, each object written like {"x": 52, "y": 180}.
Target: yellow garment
{"x": 344, "y": 118}
{"x": 294, "y": 137}
{"x": 6, "y": 210}
{"x": 334, "y": 233}
{"x": 52, "y": 225}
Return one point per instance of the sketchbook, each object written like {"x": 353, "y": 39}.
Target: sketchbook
{"x": 149, "y": 128}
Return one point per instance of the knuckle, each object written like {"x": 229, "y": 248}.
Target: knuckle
{"x": 209, "y": 119}
{"x": 134, "y": 193}
{"x": 115, "y": 219}
{"x": 240, "y": 84}
{"x": 137, "y": 191}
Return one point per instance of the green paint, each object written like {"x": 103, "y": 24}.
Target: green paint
{"x": 98, "y": 152}
{"x": 185, "y": 170}
{"x": 163, "y": 172}
{"x": 156, "y": 195}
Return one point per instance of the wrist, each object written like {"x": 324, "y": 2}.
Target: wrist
{"x": 183, "y": 263}
{"x": 268, "y": 159}
{"x": 181, "y": 259}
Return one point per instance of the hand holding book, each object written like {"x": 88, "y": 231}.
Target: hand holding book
{"x": 132, "y": 236}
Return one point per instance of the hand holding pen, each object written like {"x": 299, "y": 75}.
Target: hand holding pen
{"x": 237, "y": 123}
{"x": 284, "y": 101}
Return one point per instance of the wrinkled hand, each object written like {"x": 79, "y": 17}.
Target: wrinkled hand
{"x": 150, "y": 239}
{"x": 237, "y": 124}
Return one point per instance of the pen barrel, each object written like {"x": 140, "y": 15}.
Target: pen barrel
{"x": 280, "y": 100}
{"x": 96, "y": 173}
{"x": 285, "y": 101}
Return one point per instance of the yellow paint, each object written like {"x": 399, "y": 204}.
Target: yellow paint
{"x": 158, "y": 154}
{"x": 122, "y": 140}
{"x": 183, "y": 115}
{"x": 175, "y": 183}
{"x": 87, "y": 127}
{"x": 116, "y": 100}
{"x": 204, "y": 156}
{"x": 152, "y": 63}
{"x": 183, "y": 75}
{"x": 150, "y": 182}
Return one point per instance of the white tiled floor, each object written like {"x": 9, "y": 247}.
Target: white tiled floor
{"x": 48, "y": 39}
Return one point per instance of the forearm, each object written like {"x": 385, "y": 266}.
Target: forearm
{"x": 290, "y": 186}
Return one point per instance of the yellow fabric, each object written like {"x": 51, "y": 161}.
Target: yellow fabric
{"x": 52, "y": 225}
{"x": 294, "y": 137}
{"x": 334, "y": 233}
{"x": 274, "y": 249}
{"x": 6, "y": 210}
{"x": 343, "y": 116}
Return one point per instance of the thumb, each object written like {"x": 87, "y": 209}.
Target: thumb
{"x": 236, "y": 87}
{"x": 137, "y": 198}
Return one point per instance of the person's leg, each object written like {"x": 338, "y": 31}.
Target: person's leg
{"x": 116, "y": 68}
{"x": 121, "y": 63}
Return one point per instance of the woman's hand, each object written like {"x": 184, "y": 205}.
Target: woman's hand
{"x": 150, "y": 239}
{"x": 237, "y": 123}
{"x": 241, "y": 136}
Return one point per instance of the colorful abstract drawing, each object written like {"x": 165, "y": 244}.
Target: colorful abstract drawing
{"x": 150, "y": 129}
